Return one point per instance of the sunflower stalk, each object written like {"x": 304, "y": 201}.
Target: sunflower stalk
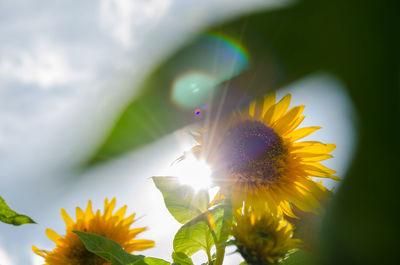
{"x": 209, "y": 258}
{"x": 220, "y": 255}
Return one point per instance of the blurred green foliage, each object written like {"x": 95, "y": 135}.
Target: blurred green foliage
{"x": 299, "y": 258}
{"x": 358, "y": 41}
{"x": 8, "y": 216}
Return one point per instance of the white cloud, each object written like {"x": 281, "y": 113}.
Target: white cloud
{"x": 4, "y": 258}
{"x": 44, "y": 65}
{"x": 37, "y": 260}
{"x": 126, "y": 19}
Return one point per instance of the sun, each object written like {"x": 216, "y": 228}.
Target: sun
{"x": 192, "y": 172}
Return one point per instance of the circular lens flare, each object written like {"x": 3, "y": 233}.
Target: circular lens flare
{"x": 201, "y": 68}
{"x": 192, "y": 89}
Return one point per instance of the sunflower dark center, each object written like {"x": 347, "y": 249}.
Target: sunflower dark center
{"x": 254, "y": 151}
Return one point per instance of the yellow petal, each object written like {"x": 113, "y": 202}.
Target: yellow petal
{"x": 269, "y": 115}
{"x": 301, "y": 199}
{"x": 79, "y": 214}
{"x": 136, "y": 231}
{"x": 109, "y": 207}
{"x": 320, "y": 167}
{"x": 252, "y": 108}
{"x": 129, "y": 219}
{"x": 211, "y": 220}
{"x": 294, "y": 124}
{"x": 121, "y": 212}
{"x": 256, "y": 108}
{"x": 89, "y": 211}
{"x": 319, "y": 174}
{"x": 312, "y": 187}
{"x": 141, "y": 244}
{"x": 281, "y": 107}
{"x": 304, "y": 200}
{"x": 39, "y": 252}
{"x": 287, "y": 209}
{"x": 53, "y": 236}
{"x": 313, "y": 157}
{"x": 313, "y": 147}
{"x": 269, "y": 101}
{"x": 281, "y": 125}
{"x": 302, "y": 132}
{"x": 67, "y": 219}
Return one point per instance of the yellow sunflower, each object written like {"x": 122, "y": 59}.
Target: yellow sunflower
{"x": 256, "y": 156}
{"x": 70, "y": 250}
{"x": 263, "y": 239}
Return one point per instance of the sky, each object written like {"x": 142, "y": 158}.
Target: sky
{"x": 63, "y": 67}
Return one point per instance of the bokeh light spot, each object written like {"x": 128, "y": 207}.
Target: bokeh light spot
{"x": 192, "y": 89}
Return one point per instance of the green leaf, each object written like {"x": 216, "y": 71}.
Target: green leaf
{"x": 181, "y": 259}
{"x": 218, "y": 215}
{"x": 196, "y": 235}
{"x": 155, "y": 261}
{"x": 221, "y": 228}
{"x": 182, "y": 201}
{"x": 8, "y": 216}
{"x": 193, "y": 237}
{"x": 109, "y": 250}
{"x": 112, "y": 251}
{"x": 299, "y": 258}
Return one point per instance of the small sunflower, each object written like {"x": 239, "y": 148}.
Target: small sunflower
{"x": 70, "y": 249}
{"x": 256, "y": 156}
{"x": 263, "y": 239}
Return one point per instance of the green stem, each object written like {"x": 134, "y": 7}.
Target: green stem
{"x": 209, "y": 256}
{"x": 208, "y": 250}
{"x": 220, "y": 255}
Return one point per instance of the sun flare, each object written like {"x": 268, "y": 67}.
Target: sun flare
{"x": 193, "y": 172}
